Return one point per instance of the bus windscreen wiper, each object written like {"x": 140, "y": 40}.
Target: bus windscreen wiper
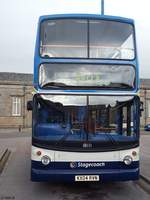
{"x": 110, "y": 86}
{"x": 53, "y": 85}
{"x": 63, "y": 138}
{"x": 120, "y": 85}
{"x": 111, "y": 139}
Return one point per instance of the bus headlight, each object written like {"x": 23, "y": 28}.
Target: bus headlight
{"x": 45, "y": 160}
{"x": 127, "y": 160}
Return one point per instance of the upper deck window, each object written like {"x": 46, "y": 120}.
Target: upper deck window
{"x": 81, "y": 38}
{"x": 109, "y": 39}
{"x": 64, "y": 38}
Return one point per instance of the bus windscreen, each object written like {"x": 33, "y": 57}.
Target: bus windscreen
{"x": 86, "y": 76}
{"x": 69, "y": 121}
{"x": 82, "y": 38}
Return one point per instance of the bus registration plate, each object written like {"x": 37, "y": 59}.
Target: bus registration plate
{"x": 87, "y": 178}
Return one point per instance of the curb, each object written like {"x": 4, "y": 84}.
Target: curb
{"x": 145, "y": 179}
{"x": 4, "y": 159}
{"x": 144, "y": 183}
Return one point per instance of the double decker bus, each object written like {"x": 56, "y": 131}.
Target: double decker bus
{"x": 86, "y": 109}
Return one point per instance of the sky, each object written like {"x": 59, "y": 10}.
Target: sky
{"x": 18, "y": 24}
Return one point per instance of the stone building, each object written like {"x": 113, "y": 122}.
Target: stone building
{"x": 16, "y": 90}
{"x": 145, "y": 98}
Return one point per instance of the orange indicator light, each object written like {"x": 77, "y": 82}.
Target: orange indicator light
{"x": 134, "y": 153}
{"x": 38, "y": 153}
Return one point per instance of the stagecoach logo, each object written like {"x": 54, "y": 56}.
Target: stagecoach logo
{"x": 73, "y": 164}
{"x": 86, "y": 164}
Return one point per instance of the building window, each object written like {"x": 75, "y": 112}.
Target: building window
{"x": 16, "y": 106}
{"x": 148, "y": 108}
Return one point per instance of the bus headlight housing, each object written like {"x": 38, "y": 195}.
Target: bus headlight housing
{"x": 127, "y": 160}
{"x": 45, "y": 160}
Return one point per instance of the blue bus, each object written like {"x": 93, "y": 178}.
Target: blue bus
{"x": 86, "y": 107}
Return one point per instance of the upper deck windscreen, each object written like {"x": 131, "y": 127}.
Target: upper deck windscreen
{"x": 86, "y": 76}
{"x": 82, "y": 38}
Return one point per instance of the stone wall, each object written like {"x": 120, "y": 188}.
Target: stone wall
{"x": 145, "y": 98}
{"x": 7, "y": 92}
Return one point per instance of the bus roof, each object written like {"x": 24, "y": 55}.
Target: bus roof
{"x": 90, "y": 16}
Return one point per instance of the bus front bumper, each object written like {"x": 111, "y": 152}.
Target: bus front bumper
{"x": 64, "y": 175}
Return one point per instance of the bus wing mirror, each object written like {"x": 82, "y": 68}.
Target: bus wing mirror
{"x": 141, "y": 108}
{"x": 30, "y": 105}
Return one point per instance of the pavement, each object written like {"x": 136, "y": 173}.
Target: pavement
{"x": 9, "y": 133}
{"x": 1, "y": 152}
